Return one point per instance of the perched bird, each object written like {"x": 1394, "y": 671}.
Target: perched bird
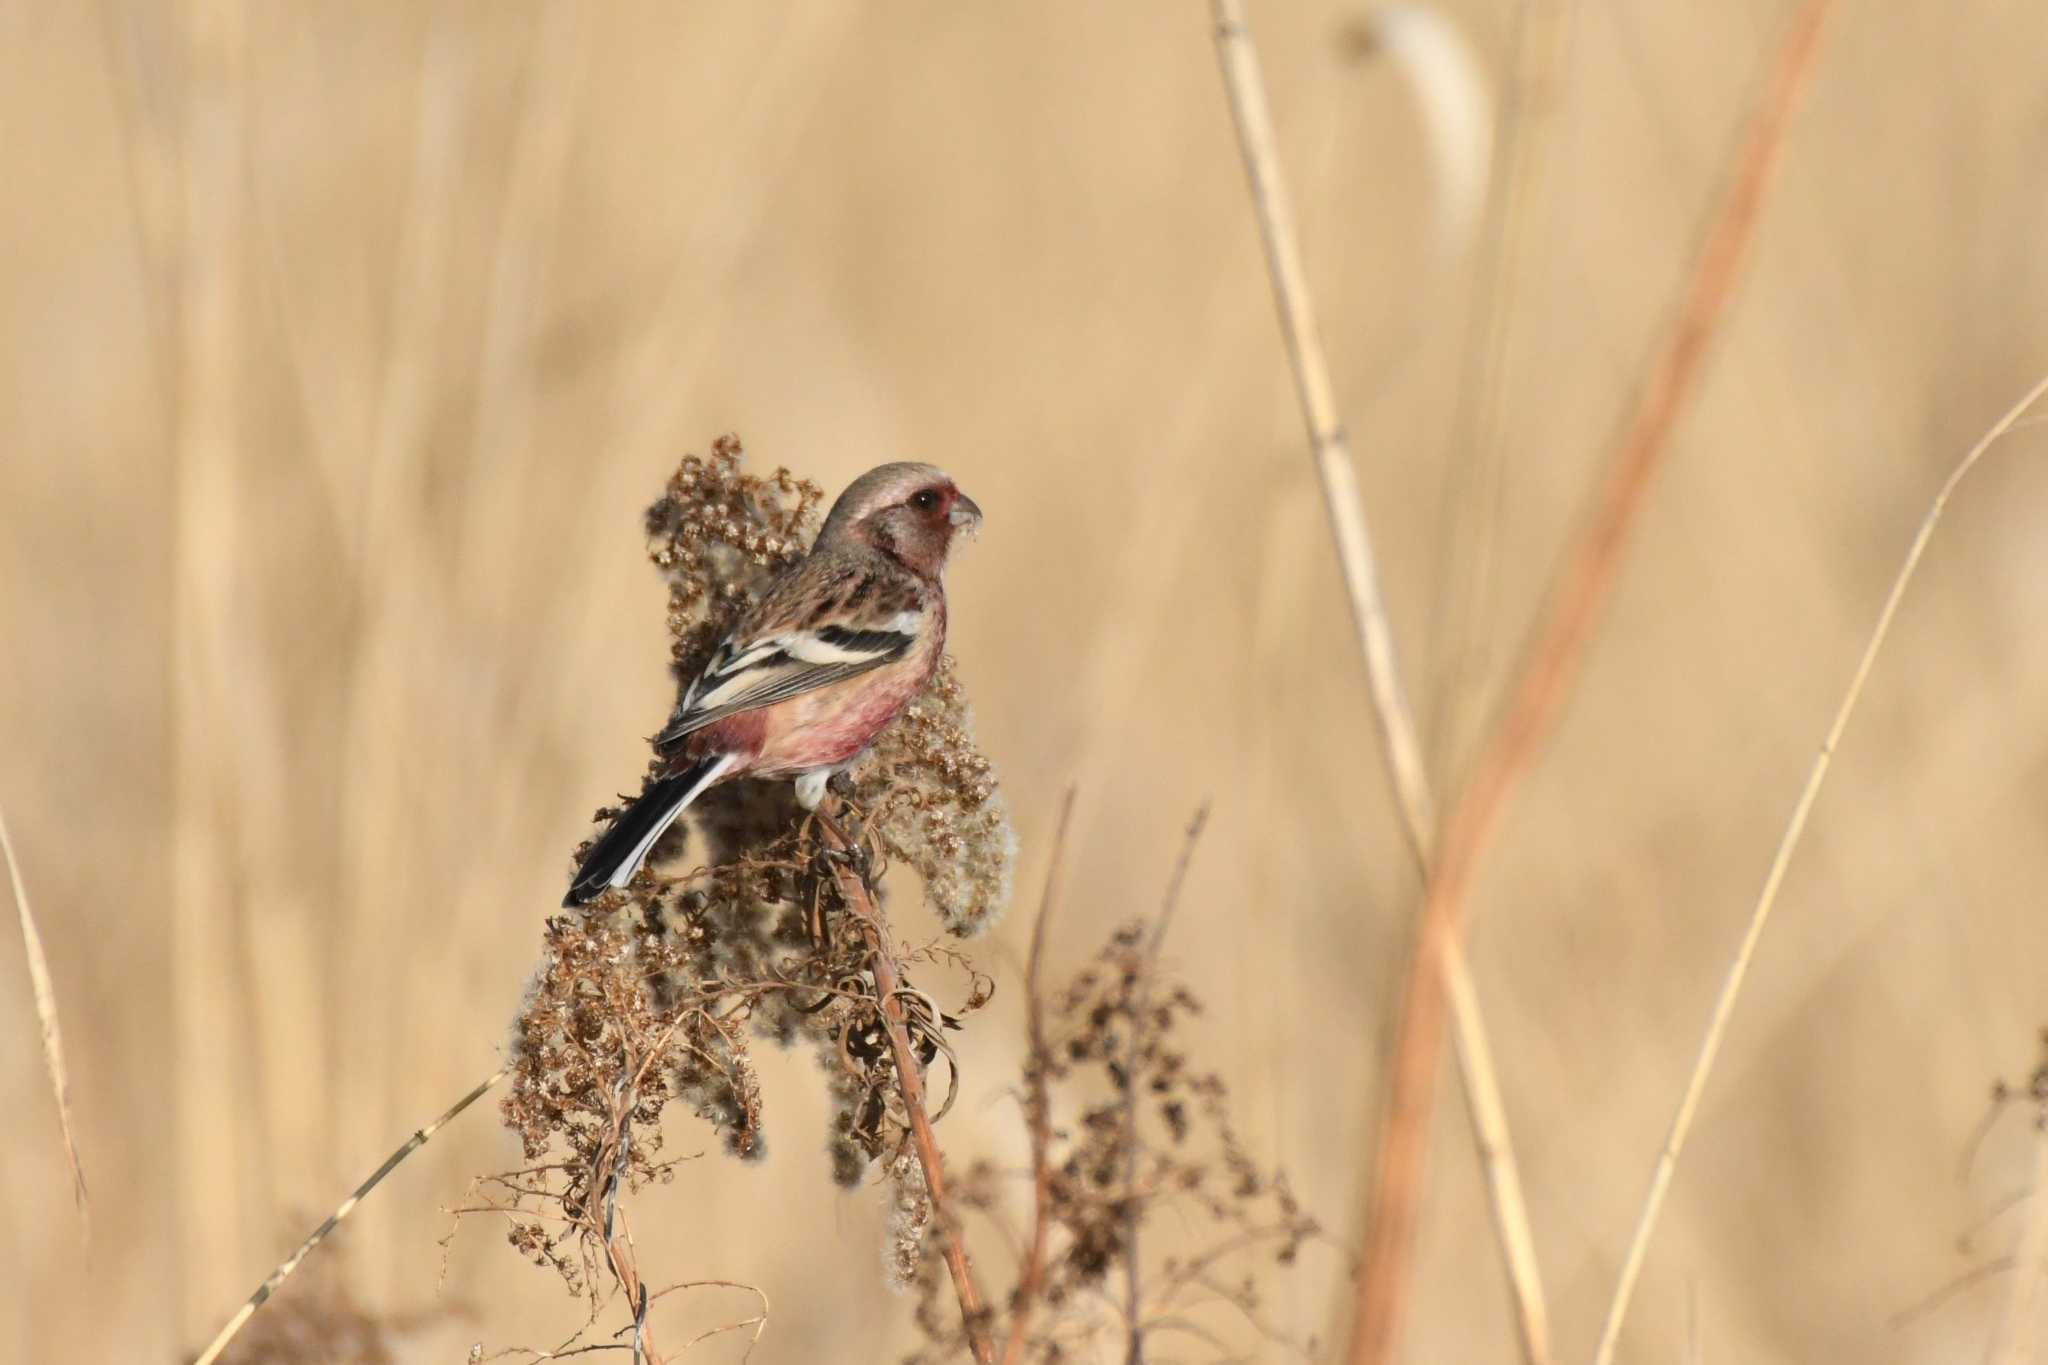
{"x": 838, "y": 646}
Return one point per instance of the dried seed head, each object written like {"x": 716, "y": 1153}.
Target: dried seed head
{"x": 910, "y": 1221}
{"x": 933, "y": 801}
{"x": 1148, "y": 1135}
{"x": 657, "y": 994}
{"x": 720, "y": 536}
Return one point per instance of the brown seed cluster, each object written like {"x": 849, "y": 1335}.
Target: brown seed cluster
{"x": 654, "y": 996}
{"x": 933, "y": 802}
{"x": 594, "y": 1046}
{"x": 720, "y": 536}
{"x": 911, "y": 1214}
{"x": 1150, "y": 1142}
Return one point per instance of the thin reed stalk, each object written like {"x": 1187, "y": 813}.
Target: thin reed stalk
{"x": 333, "y": 1220}
{"x": 1329, "y": 444}
{"x": 1759, "y": 916}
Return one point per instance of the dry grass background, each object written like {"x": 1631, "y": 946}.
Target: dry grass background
{"x": 344, "y": 344}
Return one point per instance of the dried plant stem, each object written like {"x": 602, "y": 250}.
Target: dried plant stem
{"x": 1327, "y": 438}
{"x": 910, "y": 1082}
{"x": 615, "y": 1227}
{"x": 618, "y": 1251}
{"x": 1788, "y": 843}
{"x": 1031, "y": 1280}
{"x": 53, "y": 1036}
{"x": 1497, "y": 1159}
{"x": 348, "y": 1206}
{"x": 1398, "y": 734}
{"x": 759, "y": 1322}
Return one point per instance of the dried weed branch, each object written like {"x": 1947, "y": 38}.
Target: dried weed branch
{"x": 1788, "y": 843}
{"x": 891, "y": 994}
{"x": 1246, "y": 87}
{"x": 655, "y": 993}
{"x": 1171, "y": 1155}
{"x": 45, "y": 991}
{"x": 1152, "y": 1139}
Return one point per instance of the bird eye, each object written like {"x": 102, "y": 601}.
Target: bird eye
{"x": 924, "y": 500}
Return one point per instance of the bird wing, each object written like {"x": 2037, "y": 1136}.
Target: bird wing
{"x": 809, "y": 632}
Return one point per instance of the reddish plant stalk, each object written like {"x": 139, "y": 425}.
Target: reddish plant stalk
{"x": 910, "y": 1081}
{"x": 1539, "y": 698}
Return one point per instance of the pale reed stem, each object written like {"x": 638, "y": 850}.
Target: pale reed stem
{"x": 1745, "y": 952}
{"x": 1399, "y": 743}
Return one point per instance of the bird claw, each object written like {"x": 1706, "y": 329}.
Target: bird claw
{"x": 853, "y": 857}
{"x": 842, "y": 850}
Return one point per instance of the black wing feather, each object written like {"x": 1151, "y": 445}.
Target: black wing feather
{"x": 782, "y": 674}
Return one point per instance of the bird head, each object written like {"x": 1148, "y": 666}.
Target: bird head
{"x": 910, "y": 512}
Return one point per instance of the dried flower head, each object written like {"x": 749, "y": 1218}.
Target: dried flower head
{"x": 932, "y": 800}
{"x": 588, "y": 1088}
{"x": 656, "y": 996}
{"x": 720, "y": 536}
{"x": 1151, "y": 1138}
{"x": 910, "y": 1221}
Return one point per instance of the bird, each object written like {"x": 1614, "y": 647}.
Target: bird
{"x": 806, "y": 680}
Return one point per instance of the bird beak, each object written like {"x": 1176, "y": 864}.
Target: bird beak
{"x": 965, "y": 514}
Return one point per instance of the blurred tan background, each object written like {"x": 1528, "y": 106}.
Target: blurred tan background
{"x": 342, "y": 345}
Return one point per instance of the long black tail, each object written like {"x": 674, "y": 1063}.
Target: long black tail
{"x": 620, "y": 850}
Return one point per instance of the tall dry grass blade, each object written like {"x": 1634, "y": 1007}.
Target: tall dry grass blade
{"x": 347, "y": 1206}
{"x": 1399, "y": 742}
{"x": 53, "y": 1036}
{"x": 1738, "y": 970}
{"x": 1327, "y": 439}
